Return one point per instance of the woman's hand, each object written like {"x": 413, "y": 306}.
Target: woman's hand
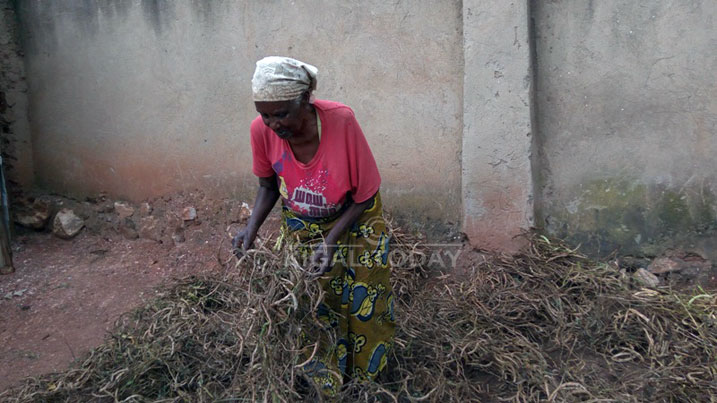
{"x": 322, "y": 258}
{"x": 266, "y": 197}
{"x": 242, "y": 241}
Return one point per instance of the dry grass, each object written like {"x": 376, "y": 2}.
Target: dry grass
{"x": 548, "y": 325}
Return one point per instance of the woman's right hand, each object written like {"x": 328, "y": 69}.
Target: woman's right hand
{"x": 266, "y": 197}
{"x": 242, "y": 241}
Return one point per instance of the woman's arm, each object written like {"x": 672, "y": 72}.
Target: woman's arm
{"x": 266, "y": 197}
{"x": 324, "y": 253}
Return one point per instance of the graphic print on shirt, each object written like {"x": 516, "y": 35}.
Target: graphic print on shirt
{"x": 307, "y": 197}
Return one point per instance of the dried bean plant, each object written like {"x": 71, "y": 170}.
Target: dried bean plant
{"x": 546, "y": 325}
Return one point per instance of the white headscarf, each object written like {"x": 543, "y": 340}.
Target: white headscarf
{"x": 279, "y": 78}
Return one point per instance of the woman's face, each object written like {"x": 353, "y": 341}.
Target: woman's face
{"x": 283, "y": 117}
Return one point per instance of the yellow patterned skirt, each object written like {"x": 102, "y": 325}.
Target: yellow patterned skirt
{"x": 357, "y": 308}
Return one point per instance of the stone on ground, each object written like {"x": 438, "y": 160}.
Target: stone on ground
{"x": 646, "y": 278}
{"x": 677, "y": 264}
{"x": 123, "y": 209}
{"x": 34, "y": 216}
{"x": 67, "y": 224}
{"x": 239, "y": 213}
{"x": 150, "y": 228}
{"x": 145, "y": 209}
{"x": 189, "y": 214}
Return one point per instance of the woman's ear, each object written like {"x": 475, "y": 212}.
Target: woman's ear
{"x": 306, "y": 97}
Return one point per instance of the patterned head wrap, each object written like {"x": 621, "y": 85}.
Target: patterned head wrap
{"x": 279, "y": 78}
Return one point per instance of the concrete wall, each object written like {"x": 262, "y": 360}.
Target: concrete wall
{"x": 627, "y": 113}
{"x": 596, "y": 121}
{"x": 145, "y": 97}
{"x": 497, "y": 135}
{"x": 15, "y": 139}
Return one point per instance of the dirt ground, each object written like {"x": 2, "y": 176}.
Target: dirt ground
{"x": 66, "y": 294}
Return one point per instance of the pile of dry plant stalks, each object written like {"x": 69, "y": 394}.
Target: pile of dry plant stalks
{"x": 548, "y": 325}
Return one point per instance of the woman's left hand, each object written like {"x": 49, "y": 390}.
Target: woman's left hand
{"x": 322, "y": 258}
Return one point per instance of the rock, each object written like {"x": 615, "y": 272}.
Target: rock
{"x": 145, "y": 209}
{"x": 239, "y": 213}
{"x": 83, "y": 210}
{"x": 663, "y": 265}
{"x": 646, "y": 278}
{"x": 189, "y": 214}
{"x": 150, "y": 228}
{"x": 66, "y": 224}
{"x": 129, "y": 233}
{"x": 123, "y": 209}
{"x": 34, "y": 216}
{"x": 688, "y": 262}
{"x": 105, "y": 206}
{"x": 128, "y": 229}
{"x": 102, "y": 203}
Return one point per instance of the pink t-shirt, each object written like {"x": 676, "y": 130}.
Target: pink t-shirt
{"x": 343, "y": 163}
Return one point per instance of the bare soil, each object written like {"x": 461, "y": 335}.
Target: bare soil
{"x": 65, "y": 295}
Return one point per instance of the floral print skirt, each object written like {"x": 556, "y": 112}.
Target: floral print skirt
{"x": 357, "y": 306}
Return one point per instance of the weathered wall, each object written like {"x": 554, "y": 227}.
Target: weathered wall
{"x": 602, "y": 124}
{"x": 15, "y": 140}
{"x": 497, "y": 135}
{"x": 627, "y": 112}
{"x": 146, "y": 97}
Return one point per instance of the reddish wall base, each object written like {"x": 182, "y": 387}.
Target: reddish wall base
{"x": 496, "y": 235}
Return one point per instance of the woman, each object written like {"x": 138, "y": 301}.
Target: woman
{"x": 313, "y": 154}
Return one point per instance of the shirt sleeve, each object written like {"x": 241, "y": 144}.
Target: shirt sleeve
{"x": 363, "y": 172}
{"x": 261, "y": 165}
